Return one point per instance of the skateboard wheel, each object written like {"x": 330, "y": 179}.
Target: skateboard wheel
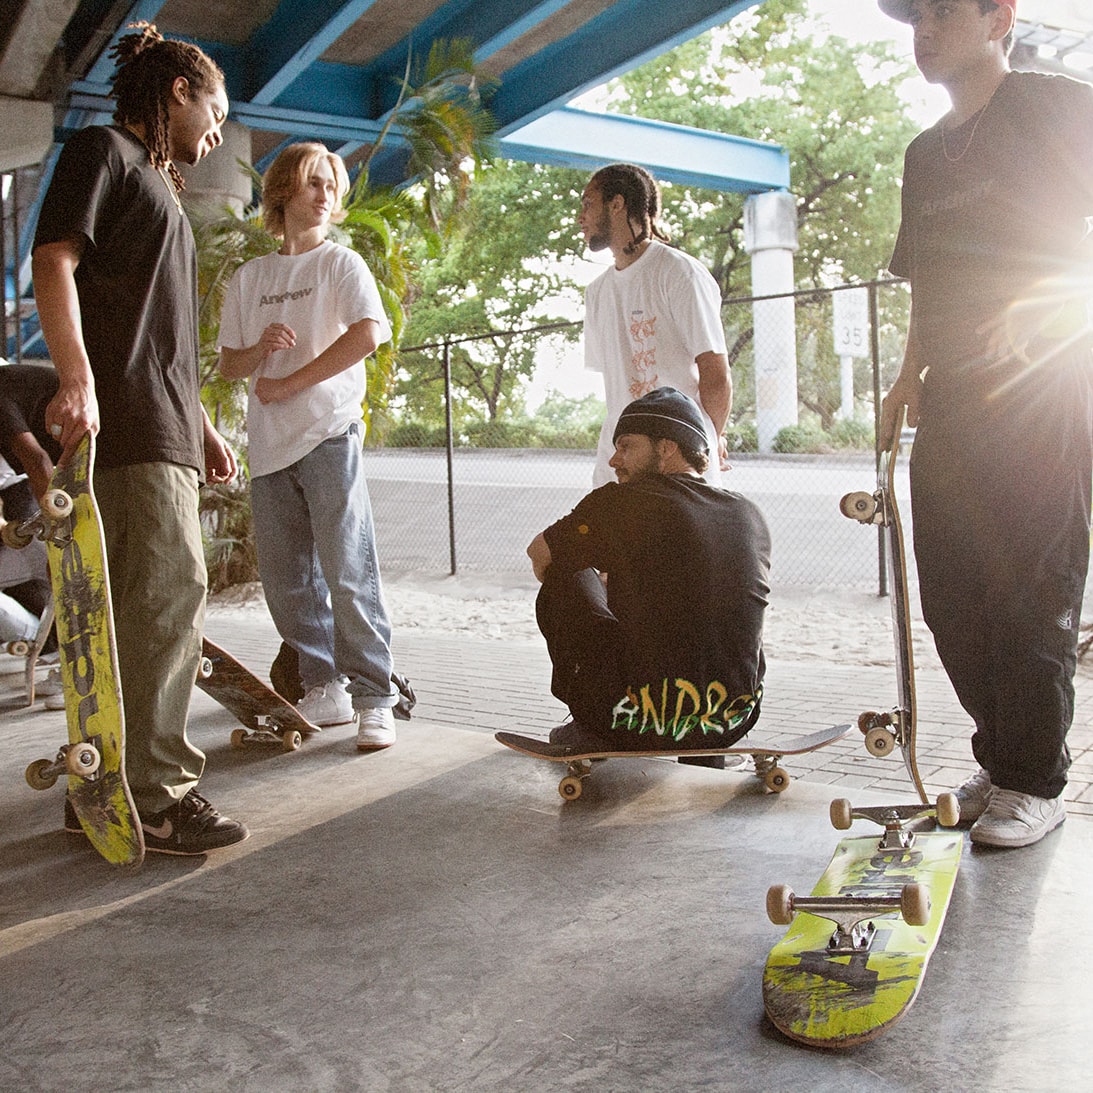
{"x": 14, "y": 538}
{"x": 880, "y": 741}
{"x": 841, "y": 817}
{"x": 82, "y": 760}
{"x": 570, "y": 788}
{"x": 914, "y": 904}
{"x": 204, "y": 668}
{"x": 859, "y": 506}
{"x": 239, "y": 737}
{"x": 18, "y": 648}
{"x": 291, "y": 740}
{"x": 777, "y": 780}
{"x": 948, "y": 810}
{"x": 780, "y": 904}
{"x": 868, "y": 720}
{"x": 56, "y": 504}
{"x": 39, "y": 774}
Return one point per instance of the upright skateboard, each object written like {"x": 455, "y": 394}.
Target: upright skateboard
{"x": 268, "y": 718}
{"x": 765, "y": 757}
{"x": 94, "y": 757}
{"x": 853, "y": 960}
{"x": 884, "y": 730}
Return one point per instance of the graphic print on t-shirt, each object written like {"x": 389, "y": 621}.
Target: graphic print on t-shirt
{"x": 643, "y": 357}
{"x": 678, "y": 709}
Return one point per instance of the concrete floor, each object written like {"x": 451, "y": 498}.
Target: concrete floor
{"x": 436, "y": 917}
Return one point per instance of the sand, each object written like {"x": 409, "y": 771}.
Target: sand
{"x": 840, "y": 628}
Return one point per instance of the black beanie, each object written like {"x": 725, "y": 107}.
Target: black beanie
{"x": 665, "y": 414}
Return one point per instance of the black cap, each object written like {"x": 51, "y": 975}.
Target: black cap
{"x": 665, "y": 414}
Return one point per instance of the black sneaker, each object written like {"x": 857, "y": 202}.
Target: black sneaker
{"x": 190, "y": 826}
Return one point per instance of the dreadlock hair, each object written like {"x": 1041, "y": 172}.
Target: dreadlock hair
{"x": 288, "y": 175}
{"x": 641, "y": 198}
{"x": 147, "y": 66}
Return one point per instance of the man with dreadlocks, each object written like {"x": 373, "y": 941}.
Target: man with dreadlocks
{"x": 115, "y": 278}
{"x": 653, "y": 319}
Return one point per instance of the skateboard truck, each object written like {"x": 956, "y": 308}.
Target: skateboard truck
{"x": 899, "y": 821}
{"x": 80, "y": 760}
{"x": 852, "y": 915}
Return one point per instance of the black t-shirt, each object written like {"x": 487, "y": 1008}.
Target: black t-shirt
{"x": 688, "y": 570}
{"x": 982, "y": 232}
{"x": 137, "y": 284}
{"x": 25, "y": 391}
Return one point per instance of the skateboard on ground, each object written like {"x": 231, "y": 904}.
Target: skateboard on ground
{"x": 856, "y": 952}
{"x": 94, "y": 757}
{"x": 897, "y": 726}
{"x": 268, "y": 718}
{"x": 765, "y": 756}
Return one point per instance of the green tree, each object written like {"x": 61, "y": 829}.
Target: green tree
{"x": 772, "y": 74}
{"x": 497, "y": 277}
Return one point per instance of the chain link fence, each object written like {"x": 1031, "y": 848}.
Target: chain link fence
{"x": 445, "y": 502}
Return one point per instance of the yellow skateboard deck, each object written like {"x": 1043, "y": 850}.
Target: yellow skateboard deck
{"x": 94, "y": 758}
{"x": 855, "y": 955}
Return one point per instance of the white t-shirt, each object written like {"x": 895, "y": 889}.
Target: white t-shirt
{"x": 644, "y": 326}
{"x": 319, "y": 294}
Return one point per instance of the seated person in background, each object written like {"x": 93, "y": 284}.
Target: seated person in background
{"x": 27, "y": 457}
{"x": 653, "y": 593}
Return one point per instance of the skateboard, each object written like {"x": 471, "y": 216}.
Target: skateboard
{"x": 897, "y": 726}
{"x": 765, "y": 756}
{"x": 268, "y": 718}
{"x": 855, "y": 955}
{"x": 94, "y": 757}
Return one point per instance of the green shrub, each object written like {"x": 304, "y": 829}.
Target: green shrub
{"x": 743, "y": 437}
{"x": 797, "y": 439}
{"x": 853, "y": 433}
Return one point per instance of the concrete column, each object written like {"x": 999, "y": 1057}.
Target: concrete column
{"x": 218, "y": 180}
{"x": 26, "y": 132}
{"x": 770, "y": 237}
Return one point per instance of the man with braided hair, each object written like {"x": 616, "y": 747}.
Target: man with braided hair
{"x": 115, "y": 278}
{"x": 653, "y": 319}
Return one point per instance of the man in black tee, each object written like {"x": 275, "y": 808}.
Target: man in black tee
{"x": 994, "y": 239}
{"x": 653, "y": 593}
{"x": 114, "y": 267}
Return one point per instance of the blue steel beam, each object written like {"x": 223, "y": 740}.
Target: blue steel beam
{"x": 298, "y": 33}
{"x": 673, "y": 153}
{"x": 619, "y": 39}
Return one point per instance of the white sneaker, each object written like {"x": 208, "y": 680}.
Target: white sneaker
{"x": 326, "y": 705}
{"x": 375, "y": 729}
{"x": 974, "y": 796}
{"x": 1017, "y": 819}
{"x": 52, "y": 690}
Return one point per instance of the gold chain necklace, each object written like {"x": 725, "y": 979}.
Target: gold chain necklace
{"x": 971, "y": 136}
{"x": 170, "y": 188}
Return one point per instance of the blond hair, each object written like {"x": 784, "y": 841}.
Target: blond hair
{"x": 287, "y": 176}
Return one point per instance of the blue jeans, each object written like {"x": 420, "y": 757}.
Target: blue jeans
{"x": 317, "y": 560}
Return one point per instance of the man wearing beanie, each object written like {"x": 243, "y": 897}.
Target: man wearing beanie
{"x": 653, "y": 593}
{"x": 996, "y": 376}
{"x": 653, "y": 317}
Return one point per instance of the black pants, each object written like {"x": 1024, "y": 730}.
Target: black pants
{"x": 585, "y": 643}
{"x": 1000, "y": 487}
